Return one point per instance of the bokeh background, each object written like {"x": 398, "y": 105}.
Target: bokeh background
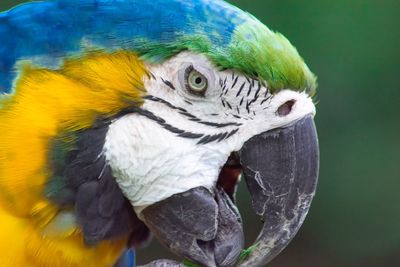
{"x": 354, "y": 48}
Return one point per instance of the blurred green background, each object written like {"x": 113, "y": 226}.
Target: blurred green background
{"x": 354, "y": 48}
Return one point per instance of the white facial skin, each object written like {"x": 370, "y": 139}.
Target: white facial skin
{"x": 149, "y": 159}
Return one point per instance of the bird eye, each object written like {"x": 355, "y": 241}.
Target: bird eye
{"x": 196, "y": 83}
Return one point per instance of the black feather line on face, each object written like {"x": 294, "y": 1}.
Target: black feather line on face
{"x": 248, "y": 91}
{"x": 204, "y": 139}
{"x": 250, "y": 88}
{"x": 168, "y": 83}
{"x": 192, "y": 117}
{"x": 235, "y": 81}
{"x": 241, "y": 88}
{"x": 256, "y": 95}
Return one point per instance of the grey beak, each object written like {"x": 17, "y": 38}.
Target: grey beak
{"x": 281, "y": 171}
{"x": 199, "y": 226}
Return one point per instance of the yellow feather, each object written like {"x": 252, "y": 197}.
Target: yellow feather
{"x": 48, "y": 103}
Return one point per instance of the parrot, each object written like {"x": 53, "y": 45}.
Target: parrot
{"x": 121, "y": 120}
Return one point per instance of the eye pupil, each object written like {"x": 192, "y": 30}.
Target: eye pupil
{"x": 198, "y": 80}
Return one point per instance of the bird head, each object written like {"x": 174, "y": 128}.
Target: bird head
{"x": 178, "y": 100}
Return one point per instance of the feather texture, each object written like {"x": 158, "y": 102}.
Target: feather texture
{"x": 48, "y": 104}
{"x": 45, "y": 32}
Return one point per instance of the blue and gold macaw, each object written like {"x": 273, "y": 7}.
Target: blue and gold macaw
{"x": 121, "y": 118}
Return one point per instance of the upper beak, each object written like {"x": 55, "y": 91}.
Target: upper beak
{"x": 281, "y": 171}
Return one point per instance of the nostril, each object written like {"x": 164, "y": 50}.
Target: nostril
{"x": 285, "y": 108}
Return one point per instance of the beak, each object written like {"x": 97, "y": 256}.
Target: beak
{"x": 199, "y": 226}
{"x": 281, "y": 171}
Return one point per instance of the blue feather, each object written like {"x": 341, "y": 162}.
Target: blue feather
{"x": 128, "y": 259}
{"x": 45, "y": 32}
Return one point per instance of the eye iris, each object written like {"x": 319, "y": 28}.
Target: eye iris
{"x": 197, "y": 83}
{"x": 196, "y": 80}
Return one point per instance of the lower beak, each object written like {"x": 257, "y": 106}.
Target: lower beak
{"x": 281, "y": 171}
{"x": 199, "y": 226}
